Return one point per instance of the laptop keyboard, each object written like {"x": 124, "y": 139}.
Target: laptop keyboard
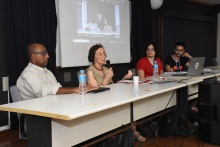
{"x": 179, "y": 74}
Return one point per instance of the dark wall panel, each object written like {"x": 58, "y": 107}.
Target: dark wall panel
{"x": 3, "y": 64}
{"x": 199, "y": 36}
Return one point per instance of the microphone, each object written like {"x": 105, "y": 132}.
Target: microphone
{"x": 108, "y": 63}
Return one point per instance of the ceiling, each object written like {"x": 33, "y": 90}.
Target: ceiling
{"x": 213, "y": 2}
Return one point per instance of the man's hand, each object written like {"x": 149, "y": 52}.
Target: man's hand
{"x": 168, "y": 68}
{"x": 187, "y": 55}
{"x": 90, "y": 88}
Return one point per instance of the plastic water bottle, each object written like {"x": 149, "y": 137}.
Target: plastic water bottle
{"x": 155, "y": 73}
{"x": 82, "y": 82}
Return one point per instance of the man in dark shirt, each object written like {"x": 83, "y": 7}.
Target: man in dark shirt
{"x": 179, "y": 61}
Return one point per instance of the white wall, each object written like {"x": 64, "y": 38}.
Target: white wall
{"x": 218, "y": 39}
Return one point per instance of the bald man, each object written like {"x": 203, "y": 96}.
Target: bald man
{"x": 36, "y": 80}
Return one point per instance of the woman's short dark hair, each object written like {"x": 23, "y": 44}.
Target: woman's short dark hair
{"x": 93, "y": 50}
{"x": 145, "y": 48}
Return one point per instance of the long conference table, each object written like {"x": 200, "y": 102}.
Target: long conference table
{"x": 67, "y": 120}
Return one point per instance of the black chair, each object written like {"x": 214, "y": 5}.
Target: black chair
{"x": 214, "y": 62}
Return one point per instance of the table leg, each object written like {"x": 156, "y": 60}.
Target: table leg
{"x": 38, "y": 131}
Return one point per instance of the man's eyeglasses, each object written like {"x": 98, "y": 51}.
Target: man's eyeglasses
{"x": 179, "y": 50}
{"x": 42, "y": 53}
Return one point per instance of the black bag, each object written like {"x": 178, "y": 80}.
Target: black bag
{"x": 123, "y": 139}
{"x": 165, "y": 125}
{"x": 149, "y": 130}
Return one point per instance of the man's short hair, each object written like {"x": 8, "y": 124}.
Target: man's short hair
{"x": 180, "y": 43}
{"x": 30, "y": 49}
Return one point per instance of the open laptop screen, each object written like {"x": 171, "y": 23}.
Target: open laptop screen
{"x": 196, "y": 66}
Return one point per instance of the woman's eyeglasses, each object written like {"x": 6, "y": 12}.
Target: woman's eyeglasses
{"x": 150, "y": 49}
{"x": 101, "y": 54}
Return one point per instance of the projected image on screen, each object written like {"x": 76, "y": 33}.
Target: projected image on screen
{"x": 98, "y": 21}
{"x": 83, "y": 23}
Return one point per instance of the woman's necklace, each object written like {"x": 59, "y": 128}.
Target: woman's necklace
{"x": 98, "y": 68}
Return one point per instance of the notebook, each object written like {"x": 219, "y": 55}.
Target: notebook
{"x": 100, "y": 89}
{"x": 209, "y": 70}
{"x": 195, "y": 67}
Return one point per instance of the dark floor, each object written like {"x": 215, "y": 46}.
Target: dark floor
{"x": 174, "y": 141}
{"x": 9, "y": 138}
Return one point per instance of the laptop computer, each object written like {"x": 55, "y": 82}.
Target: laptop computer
{"x": 195, "y": 67}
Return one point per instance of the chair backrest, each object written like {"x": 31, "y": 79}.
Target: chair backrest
{"x": 134, "y": 71}
{"x": 16, "y": 97}
{"x": 15, "y": 94}
{"x": 215, "y": 62}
